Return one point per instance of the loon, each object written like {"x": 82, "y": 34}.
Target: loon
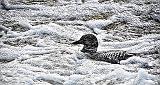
{"x": 90, "y": 43}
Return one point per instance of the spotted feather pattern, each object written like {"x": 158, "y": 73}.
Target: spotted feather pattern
{"x": 110, "y": 56}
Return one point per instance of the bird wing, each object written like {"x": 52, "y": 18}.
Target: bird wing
{"x": 113, "y": 56}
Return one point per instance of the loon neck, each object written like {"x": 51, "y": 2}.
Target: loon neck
{"x": 89, "y": 50}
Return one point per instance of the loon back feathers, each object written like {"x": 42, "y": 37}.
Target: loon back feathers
{"x": 90, "y": 43}
{"x": 113, "y": 56}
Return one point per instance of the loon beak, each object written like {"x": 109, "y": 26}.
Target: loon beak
{"x": 77, "y": 42}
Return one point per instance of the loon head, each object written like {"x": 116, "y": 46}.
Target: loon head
{"x": 90, "y": 43}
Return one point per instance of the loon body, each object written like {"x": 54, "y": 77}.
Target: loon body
{"x": 90, "y": 43}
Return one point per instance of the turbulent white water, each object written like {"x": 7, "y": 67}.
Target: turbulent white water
{"x": 37, "y": 49}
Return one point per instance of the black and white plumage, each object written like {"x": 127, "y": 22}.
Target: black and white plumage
{"x": 90, "y": 43}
